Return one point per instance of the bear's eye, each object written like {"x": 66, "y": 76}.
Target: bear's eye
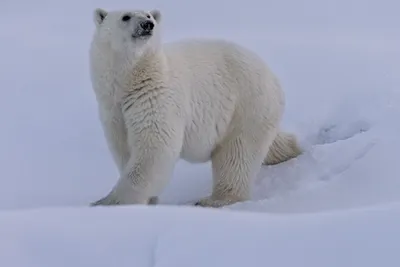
{"x": 148, "y": 16}
{"x": 126, "y": 18}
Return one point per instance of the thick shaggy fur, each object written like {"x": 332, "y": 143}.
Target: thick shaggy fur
{"x": 198, "y": 100}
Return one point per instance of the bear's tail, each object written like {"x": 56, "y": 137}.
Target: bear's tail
{"x": 284, "y": 147}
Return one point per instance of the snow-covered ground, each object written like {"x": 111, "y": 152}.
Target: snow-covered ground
{"x": 338, "y": 204}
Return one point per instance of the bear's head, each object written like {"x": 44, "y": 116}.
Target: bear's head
{"x": 128, "y": 32}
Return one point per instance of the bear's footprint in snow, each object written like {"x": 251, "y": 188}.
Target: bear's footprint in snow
{"x": 334, "y": 133}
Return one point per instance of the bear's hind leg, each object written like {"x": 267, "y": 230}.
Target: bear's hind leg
{"x": 234, "y": 164}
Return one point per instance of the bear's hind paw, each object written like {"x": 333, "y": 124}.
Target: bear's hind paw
{"x": 215, "y": 203}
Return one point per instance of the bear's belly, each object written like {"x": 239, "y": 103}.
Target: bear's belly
{"x": 200, "y": 140}
{"x": 195, "y": 152}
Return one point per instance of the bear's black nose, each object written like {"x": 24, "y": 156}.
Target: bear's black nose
{"x": 147, "y": 25}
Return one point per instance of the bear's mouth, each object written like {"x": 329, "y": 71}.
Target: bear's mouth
{"x": 142, "y": 34}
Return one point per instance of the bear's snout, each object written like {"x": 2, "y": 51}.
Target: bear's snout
{"x": 147, "y": 25}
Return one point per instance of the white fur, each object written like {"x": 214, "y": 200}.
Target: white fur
{"x": 198, "y": 100}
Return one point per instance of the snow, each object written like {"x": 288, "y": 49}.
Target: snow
{"x": 338, "y": 204}
{"x": 198, "y": 237}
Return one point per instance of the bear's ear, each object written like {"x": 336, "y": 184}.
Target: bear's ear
{"x": 156, "y": 15}
{"x": 99, "y": 15}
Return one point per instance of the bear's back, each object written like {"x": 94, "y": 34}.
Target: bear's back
{"x": 209, "y": 65}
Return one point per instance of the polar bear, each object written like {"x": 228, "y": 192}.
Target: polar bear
{"x": 197, "y": 100}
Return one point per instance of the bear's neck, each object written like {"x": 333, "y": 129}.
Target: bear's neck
{"x": 150, "y": 65}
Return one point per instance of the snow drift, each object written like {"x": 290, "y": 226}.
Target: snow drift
{"x": 168, "y": 236}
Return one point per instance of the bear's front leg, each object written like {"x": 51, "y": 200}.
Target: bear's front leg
{"x": 145, "y": 176}
{"x": 155, "y": 147}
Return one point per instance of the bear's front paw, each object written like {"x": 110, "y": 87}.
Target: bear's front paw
{"x": 109, "y": 200}
{"x": 122, "y": 196}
